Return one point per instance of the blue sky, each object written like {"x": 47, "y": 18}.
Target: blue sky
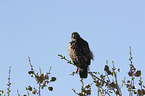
{"x": 41, "y": 29}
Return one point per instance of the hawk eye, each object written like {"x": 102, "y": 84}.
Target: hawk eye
{"x": 75, "y": 35}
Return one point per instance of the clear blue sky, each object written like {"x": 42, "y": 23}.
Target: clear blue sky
{"x": 41, "y": 29}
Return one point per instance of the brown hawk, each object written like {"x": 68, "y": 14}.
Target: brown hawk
{"x": 80, "y": 54}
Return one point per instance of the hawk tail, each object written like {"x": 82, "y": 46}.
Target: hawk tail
{"x": 83, "y": 72}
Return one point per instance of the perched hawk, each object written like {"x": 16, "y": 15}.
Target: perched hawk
{"x": 80, "y": 54}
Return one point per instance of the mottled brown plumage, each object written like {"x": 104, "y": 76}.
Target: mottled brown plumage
{"x": 80, "y": 54}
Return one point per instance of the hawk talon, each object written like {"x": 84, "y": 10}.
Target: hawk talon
{"x": 77, "y": 70}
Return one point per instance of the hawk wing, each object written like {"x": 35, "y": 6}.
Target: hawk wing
{"x": 81, "y": 56}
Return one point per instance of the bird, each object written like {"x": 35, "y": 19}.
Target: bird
{"x": 80, "y": 54}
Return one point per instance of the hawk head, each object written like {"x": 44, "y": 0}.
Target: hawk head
{"x": 75, "y": 36}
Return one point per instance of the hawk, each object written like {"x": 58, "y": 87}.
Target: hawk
{"x": 80, "y": 54}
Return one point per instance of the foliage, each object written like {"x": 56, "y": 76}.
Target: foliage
{"x": 85, "y": 89}
{"x": 133, "y": 74}
{"x": 9, "y": 83}
{"x": 43, "y": 80}
{"x": 107, "y": 84}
